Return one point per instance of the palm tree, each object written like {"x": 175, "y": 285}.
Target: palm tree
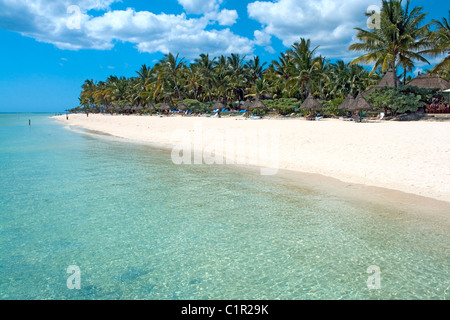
{"x": 221, "y": 79}
{"x": 193, "y": 79}
{"x": 399, "y": 41}
{"x": 236, "y": 75}
{"x": 441, "y": 40}
{"x": 171, "y": 66}
{"x": 206, "y": 68}
{"x": 87, "y": 98}
{"x": 305, "y": 66}
{"x": 280, "y": 73}
{"x": 260, "y": 88}
{"x": 254, "y": 69}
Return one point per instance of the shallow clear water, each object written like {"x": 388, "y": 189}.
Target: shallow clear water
{"x": 140, "y": 227}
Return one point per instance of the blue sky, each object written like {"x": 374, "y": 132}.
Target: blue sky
{"x": 48, "y": 51}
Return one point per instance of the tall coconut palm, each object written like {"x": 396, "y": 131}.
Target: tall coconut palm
{"x": 87, "y": 98}
{"x": 280, "y": 73}
{"x": 193, "y": 79}
{"x": 398, "y": 41}
{"x": 221, "y": 78}
{"x": 306, "y": 66}
{"x": 441, "y": 43}
{"x": 260, "y": 88}
{"x": 254, "y": 69}
{"x": 237, "y": 75}
{"x": 206, "y": 68}
{"x": 171, "y": 66}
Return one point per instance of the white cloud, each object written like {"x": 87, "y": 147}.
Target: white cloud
{"x": 329, "y": 23}
{"x": 200, "y": 6}
{"x": 46, "y": 21}
{"x": 191, "y": 45}
{"x": 224, "y": 17}
{"x": 262, "y": 38}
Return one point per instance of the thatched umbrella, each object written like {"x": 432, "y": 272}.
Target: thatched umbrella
{"x": 127, "y": 109}
{"x": 150, "y": 107}
{"x": 310, "y": 103}
{"x": 347, "y": 102}
{"x": 246, "y": 105}
{"x": 257, "y": 105}
{"x": 139, "y": 109}
{"x": 164, "y": 106}
{"x": 218, "y": 105}
{"x": 182, "y": 107}
{"x": 359, "y": 104}
{"x": 109, "y": 109}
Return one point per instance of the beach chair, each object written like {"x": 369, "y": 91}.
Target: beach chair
{"x": 242, "y": 116}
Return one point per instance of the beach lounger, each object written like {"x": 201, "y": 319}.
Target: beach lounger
{"x": 241, "y": 117}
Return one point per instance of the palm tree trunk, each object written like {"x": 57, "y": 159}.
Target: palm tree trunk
{"x": 394, "y": 68}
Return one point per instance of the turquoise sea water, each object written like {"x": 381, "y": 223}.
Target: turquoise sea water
{"x": 140, "y": 227}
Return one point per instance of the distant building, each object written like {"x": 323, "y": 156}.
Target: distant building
{"x": 430, "y": 82}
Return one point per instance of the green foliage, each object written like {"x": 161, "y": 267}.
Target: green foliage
{"x": 426, "y": 95}
{"x": 191, "y": 103}
{"x": 283, "y": 105}
{"x": 401, "y": 40}
{"x": 332, "y": 107}
{"x": 397, "y": 100}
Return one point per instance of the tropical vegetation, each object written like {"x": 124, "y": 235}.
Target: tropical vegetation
{"x": 402, "y": 40}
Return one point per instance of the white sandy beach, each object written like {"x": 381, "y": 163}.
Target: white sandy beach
{"x": 412, "y": 157}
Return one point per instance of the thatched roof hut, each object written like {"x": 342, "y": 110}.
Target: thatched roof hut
{"x": 430, "y": 82}
{"x": 182, "y": 107}
{"x": 388, "y": 80}
{"x": 310, "y": 103}
{"x": 258, "y": 104}
{"x": 150, "y": 107}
